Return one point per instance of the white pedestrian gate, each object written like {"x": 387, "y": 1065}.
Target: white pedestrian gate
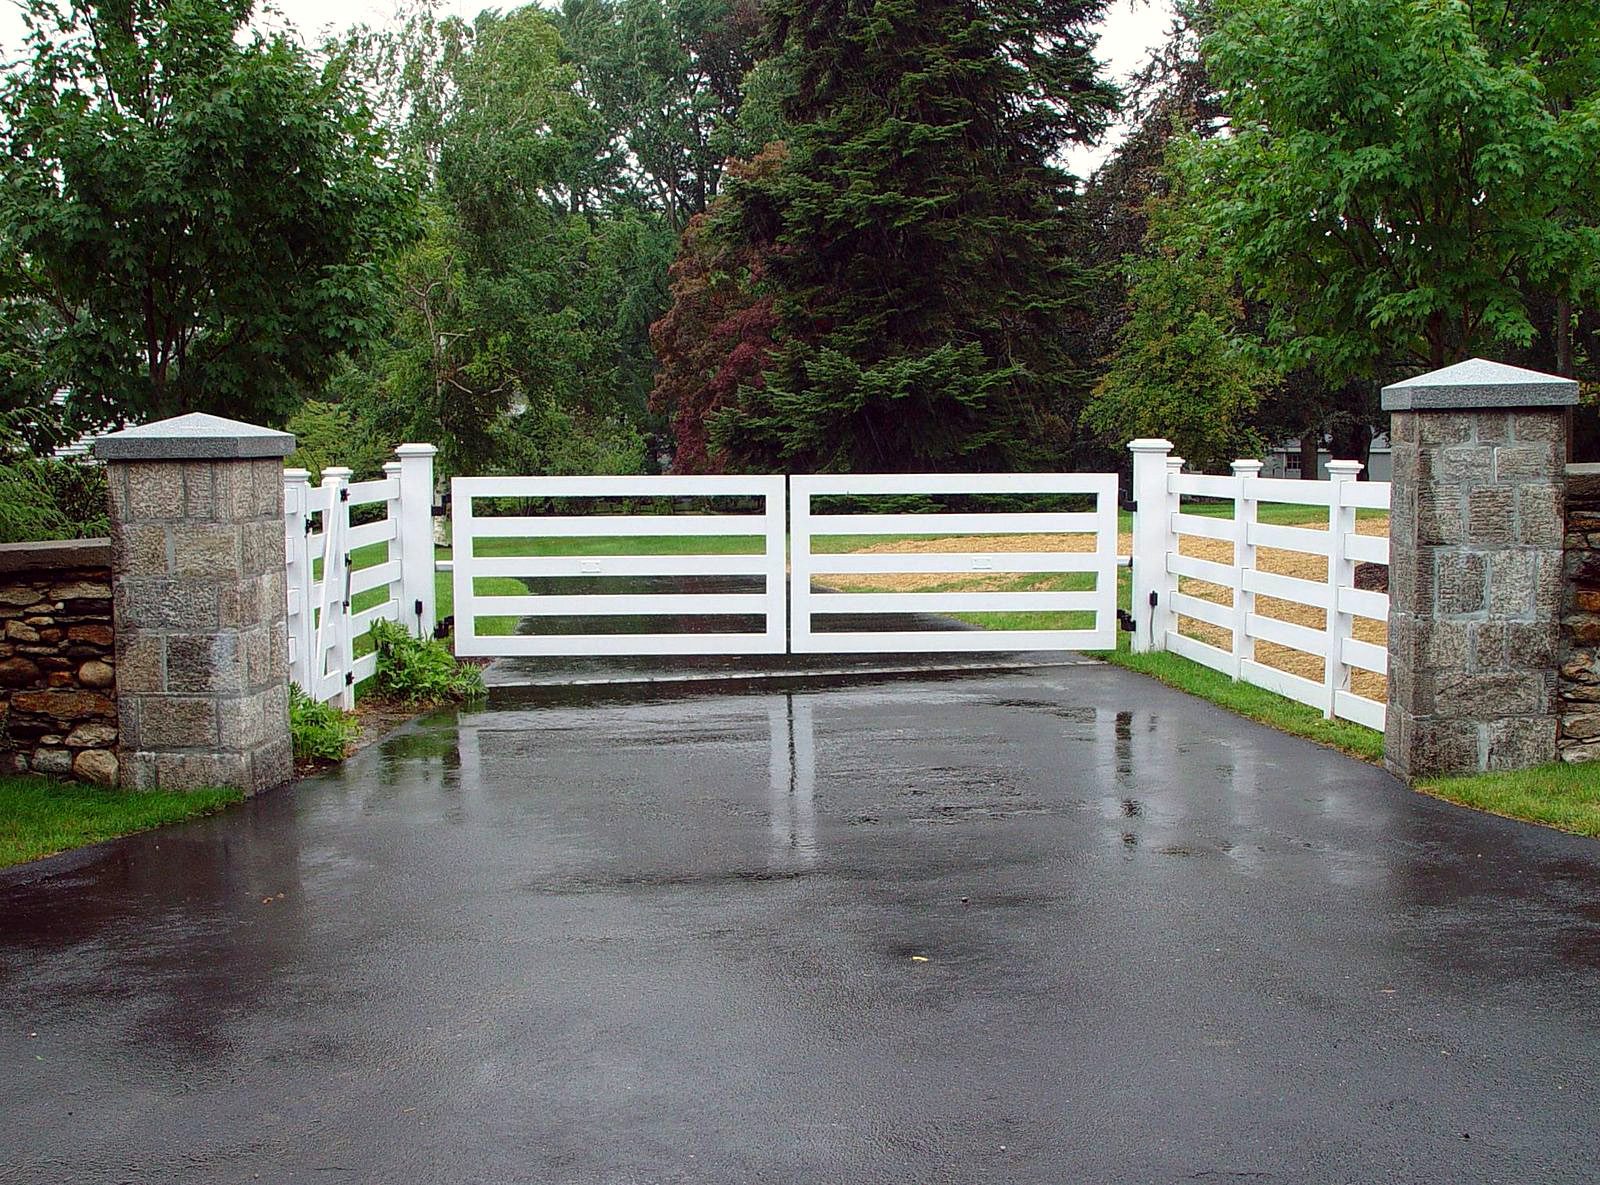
{"x": 500, "y": 530}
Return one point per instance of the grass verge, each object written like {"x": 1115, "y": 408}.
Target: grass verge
{"x": 40, "y": 817}
{"x": 1255, "y": 703}
{"x": 1566, "y": 797}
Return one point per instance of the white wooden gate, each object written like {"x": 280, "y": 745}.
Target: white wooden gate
{"x": 518, "y": 540}
{"x": 501, "y": 541}
{"x": 1094, "y": 531}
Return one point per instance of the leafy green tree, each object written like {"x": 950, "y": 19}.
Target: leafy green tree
{"x": 665, "y": 78}
{"x": 1407, "y": 182}
{"x": 926, "y": 246}
{"x": 196, "y": 216}
{"x": 1186, "y": 367}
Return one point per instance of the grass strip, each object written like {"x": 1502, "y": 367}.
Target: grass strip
{"x": 1566, "y": 797}
{"x": 40, "y": 816}
{"x": 1255, "y": 703}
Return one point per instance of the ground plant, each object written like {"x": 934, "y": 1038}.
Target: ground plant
{"x": 420, "y": 670}
{"x": 321, "y": 732}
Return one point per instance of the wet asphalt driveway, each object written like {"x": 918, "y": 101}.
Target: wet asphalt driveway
{"x": 681, "y": 940}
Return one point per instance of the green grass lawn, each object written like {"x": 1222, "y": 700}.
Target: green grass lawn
{"x": 40, "y": 816}
{"x": 1566, "y": 797}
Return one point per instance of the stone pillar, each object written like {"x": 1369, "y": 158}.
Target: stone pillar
{"x": 199, "y": 602}
{"x": 1475, "y": 568}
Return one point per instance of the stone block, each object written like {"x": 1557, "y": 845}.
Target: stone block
{"x": 1548, "y": 426}
{"x": 96, "y": 766}
{"x": 1458, "y": 582}
{"x": 1446, "y": 427}
{"x": 1521, "y": 743}
{"x": 267, "y": 477}
{"x": 1527, "y": 462}
{"x": 141, "y": 663}
{"x": 177, "y": 722}
{"x": 19, "y": 672}
{"x": 271, "y": 765}
{"x": 81, "y": 590}
{"x": 166, "y": 604}
{"x": 92, "y": 736}
{"x": 1441, "y": 515}
{"x": 65, "y": 705}
{"x": 155, "y": 491}
{"x": 262, "y": 550}
{"x": 1439, "y": 747}
{"x": 95, "y": 635}
{"x": 241, "y": 722}
{"x": 1539, "y": 516}
{"x": 200, "y": 492}
{"x": 97, "y": 674}
{"x": 212, "y": 662}
{"x": 1491, "y": 427}
{"x": 1404, "y": 428}
{"x": 207, "y": 550}
{"x": 55, "y": 762}
{"x": 1533, "y": 644}
{"x": 1463, "y": 463}
{"x": 1491, "y": 515}
{"x": 1513, "y": 583}
{"x": 1494, "y": 695}
{"x": 200, "y": 771}
{"x": 18, "y": 631}
{"x": 1581, "y": 726}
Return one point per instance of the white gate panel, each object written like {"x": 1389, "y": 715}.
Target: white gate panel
{"x": 1101, "y": 523}
{"x": 769, "y": 526}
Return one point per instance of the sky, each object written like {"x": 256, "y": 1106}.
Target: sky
{"x": 1131, "y": 29}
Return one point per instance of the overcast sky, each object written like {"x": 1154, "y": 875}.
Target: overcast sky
{"x": 1131, "y": 29}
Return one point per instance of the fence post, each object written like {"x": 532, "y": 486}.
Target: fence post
{"x": 296, "y": 530}
{"x": 1153, "y": 540}
{"x": 1475, "y": 568}
{"x": 1244, "y": 560}
{"x": 199, "y": 600}
{"x": 1341, "y": 574}
{"x": 414, "y": 536}
{"x": 333, "y": 624}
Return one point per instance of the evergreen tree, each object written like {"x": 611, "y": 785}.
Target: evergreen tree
{"x": 927, "y": 245}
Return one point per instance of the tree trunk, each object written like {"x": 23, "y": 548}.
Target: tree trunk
{"x": 1564, "y": 338}
{"x": 1310, "y": 446}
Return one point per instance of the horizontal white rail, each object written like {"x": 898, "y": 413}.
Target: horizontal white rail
{"x": 954, "y": 562}
{"x": 1203, "y": 526}
{"x": 954, "y": 602}
{"x": 612, "y": 526}
{"x": 531, "y": 567}
{"x": 952, "y": 524}
{"x": 630, "y": 605}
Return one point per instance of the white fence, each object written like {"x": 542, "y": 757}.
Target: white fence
{"x": 1099, "y": 559}
{"x": 324, "y": 583}
{"x": 1160, "y": 566}
{"x": 520, "y": 535}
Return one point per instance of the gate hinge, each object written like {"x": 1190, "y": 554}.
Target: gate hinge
{"x": 349, "y": 678}
{"x": 344, "y": 494}
{"x": 1153, "y": 598}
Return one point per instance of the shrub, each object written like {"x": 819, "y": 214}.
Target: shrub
{"x": 420, "y": 669}
{"x": 320, "y": 731}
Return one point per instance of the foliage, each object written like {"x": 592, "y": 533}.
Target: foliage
{"x": 520, "y": 318}
{"x": 39, "y": 817}
{"x": 716, "y": 335}
{"x": 665, "y": 79}
{"x": 925, "y": 247}
{"x": 330, "y": 434}
{"x": 1406, "y": 181}
{"x": 44, "y": 497}
{"x": 420, "y": 670}
{"x": 1185, "y": 367}
{"x": 196, "y": 216}
{"x": 320, "y": 732}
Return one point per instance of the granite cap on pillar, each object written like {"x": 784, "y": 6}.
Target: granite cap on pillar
{"x": 194, "y": 437}
{"x": 1479, "y": 384}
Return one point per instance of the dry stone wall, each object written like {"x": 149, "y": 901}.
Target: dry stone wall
{"x": 57, "y": 661}
{"x": 1580, "y": 665}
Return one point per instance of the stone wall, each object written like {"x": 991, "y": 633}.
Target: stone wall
{"x": 1580, "y": 635}
{"x": 57, "y": 664}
